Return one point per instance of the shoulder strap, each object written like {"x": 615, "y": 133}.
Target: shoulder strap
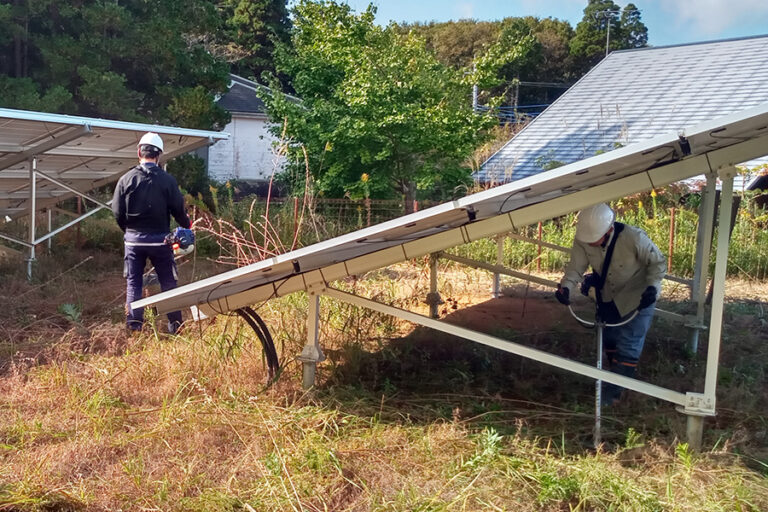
{"x": 618, "y": 227}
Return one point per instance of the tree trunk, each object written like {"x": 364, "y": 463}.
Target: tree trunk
{"x": 409, "y": 195}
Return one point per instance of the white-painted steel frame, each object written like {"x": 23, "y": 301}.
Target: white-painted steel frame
{"x": 59, "y": 131}
{"x": 289, "y": 281}
{"x": 549, "y": 200}
{"x": 69, "y": 188}
{"x": 33, "y": 196}
{"x": 44, "y": 117}
{"x": 511, "y": 347}
{"x": 498, "y": 270}
{"x": 718, "y": 284}
{"x": 499, "y": 262}
{"x": 312, "y": 353}
{"x": 33, "y": 199}
{"x": 703, "y": 252}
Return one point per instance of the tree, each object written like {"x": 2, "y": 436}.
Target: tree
{"x": 380, "y": 114}
{"x": 130, "y": 60}
{"x": 252, "y": 27}
{"x": 588, "y": 45}
{"x": 455, "y": 43}
{"x": 634, "y": 33}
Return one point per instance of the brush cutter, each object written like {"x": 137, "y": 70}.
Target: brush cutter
{"x": 182, "y": 241}
{"x": 599, "y": 325}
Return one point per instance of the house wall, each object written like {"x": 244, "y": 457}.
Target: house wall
{"x": 247, "y": 155}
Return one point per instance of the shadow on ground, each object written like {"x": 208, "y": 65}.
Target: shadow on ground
{"x": 429, "y": 376}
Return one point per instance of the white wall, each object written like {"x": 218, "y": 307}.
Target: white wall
{"x": 247, "y": 155}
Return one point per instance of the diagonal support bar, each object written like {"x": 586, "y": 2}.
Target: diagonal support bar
{"x": 70, "y": 188}
{"x": 68, "y": 225}
{"x": 514, "y": 348}
{"x": 15, "y": 240}
{"x": 499, "y": 269}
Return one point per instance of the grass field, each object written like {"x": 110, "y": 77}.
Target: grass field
{"x": 402, "y": 419}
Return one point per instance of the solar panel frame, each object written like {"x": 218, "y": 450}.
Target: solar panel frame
{"x": 641, "y": 166}
{"x": 83, "y": 153}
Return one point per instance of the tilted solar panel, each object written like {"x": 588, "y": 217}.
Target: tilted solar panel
{"x": 654, "y": 163}
{"x": 79, "y": 152}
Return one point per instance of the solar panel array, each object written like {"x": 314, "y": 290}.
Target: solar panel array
{"x": 649, "y": 164}
{"x": 78, "y": 152}
{"x": 636, "y": 95}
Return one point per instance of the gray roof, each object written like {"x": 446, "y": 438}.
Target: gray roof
{"x": 242, "y": 97}
{"x": 634, "y": 95}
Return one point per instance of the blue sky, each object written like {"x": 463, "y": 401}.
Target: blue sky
{"x": 668, "y": 21}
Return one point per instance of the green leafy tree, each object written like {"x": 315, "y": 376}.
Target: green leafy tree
{"x": 626, "y": 31}
{"x": 130, "y": 60}
{"x": 252, "y": 27}
{"x": 375, "y": 103}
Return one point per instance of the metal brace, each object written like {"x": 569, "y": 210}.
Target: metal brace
{"x": 697, "y": 404}
{"x": 692, "y": 322}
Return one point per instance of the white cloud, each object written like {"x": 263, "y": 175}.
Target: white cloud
{"x": 711, "y": 17}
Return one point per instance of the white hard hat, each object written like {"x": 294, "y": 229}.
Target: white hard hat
{"x": 594, "y": 222}
{"x": 152, "y": 139}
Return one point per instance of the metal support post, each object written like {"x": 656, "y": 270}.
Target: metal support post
{"x": 312, "y": 354}
{"x": 694, "y": 431}
{"x": 597, "y": 434}
{"x": 718, "y": 279}
{"x": 433, "y": 297}
{"x": 703, "y": 251}
{"x": 704, "y": 405}
{"x": 32, "y": 219}
{"x": 50, "y": 228}
{"x": 499, "y": 262}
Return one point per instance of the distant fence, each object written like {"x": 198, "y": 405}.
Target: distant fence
{"x": 348, "y": 212}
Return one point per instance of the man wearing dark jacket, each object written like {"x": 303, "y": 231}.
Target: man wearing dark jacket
{"x": 144, "y": 200}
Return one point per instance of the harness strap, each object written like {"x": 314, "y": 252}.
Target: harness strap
{"x": 618, "y": 227}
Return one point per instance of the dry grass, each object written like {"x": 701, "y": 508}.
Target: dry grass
{"x": 95, "y": 420}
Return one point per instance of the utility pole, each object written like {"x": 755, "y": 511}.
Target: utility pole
{"x": 474, "y": 90}
{"x": 608, "y": 15}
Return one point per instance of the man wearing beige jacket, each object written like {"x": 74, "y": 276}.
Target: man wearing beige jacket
{"x": 627, "y": 269}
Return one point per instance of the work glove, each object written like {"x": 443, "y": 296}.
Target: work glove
{"x": 562, "y": 295}
{"x": 647, "y": 298}
{"x": 590, "y": 281}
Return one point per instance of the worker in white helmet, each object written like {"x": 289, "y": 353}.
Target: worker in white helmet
{"x": 627, "y": 269}
{"x": 145, "y": 199}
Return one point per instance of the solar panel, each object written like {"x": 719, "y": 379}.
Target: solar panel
{"x": 654, "y": 163}
{"x": 77, "y": 152}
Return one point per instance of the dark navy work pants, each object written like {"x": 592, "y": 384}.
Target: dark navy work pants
{"x": 623, "y": 346}
{"x": 161, "y": 256}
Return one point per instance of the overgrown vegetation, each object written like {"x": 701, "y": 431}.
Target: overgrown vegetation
{"x": 401, "y": 420}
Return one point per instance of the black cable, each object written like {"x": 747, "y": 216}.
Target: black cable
{"x": 267, "y": 335}
{"x": 260, "y": 328}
